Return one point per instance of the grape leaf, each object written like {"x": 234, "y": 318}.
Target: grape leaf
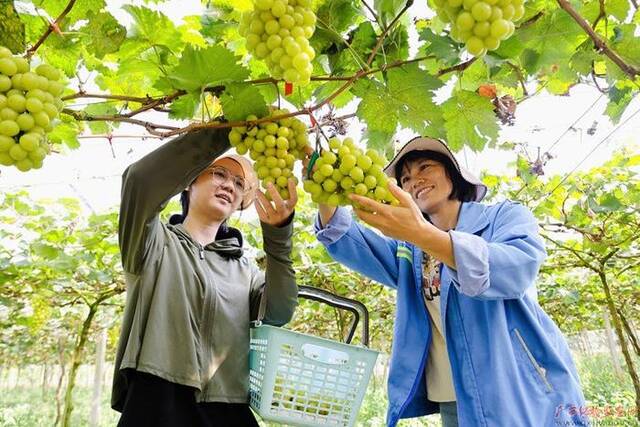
{"x": 344, "y": 62}
{"x": 139, "y": 74}
{"x": 62, "y": 53}
{"x": 441, "y": 47}
{"x": 505, "y": 76}
{"x": 435, "y": 128}
{"x": 215, "y": 28}
{"x": 406, "y": 100}
{"x": 529, "y": 59}
{"x": 619, "y": 100}
{"x": 130, "y": 48}
{"x": 131, "y": 83}
{"x": 338, "y": 15}
{"x": 475, "y": 75}
{"x": 618, "y": 8}
{"x": 137, "y": 64}
{"x": 79, "y": 11}
{"x": 65, "y": 132}
{"x": 269, "y": 93}
{"x": 98, "y": 109}
{"x": 380, "y": 141}
{"x": 240, "y": 100}
{"x": 560, "y": 81}
{"x": 395, "y": 46}
{"x": 34, "y": 27}
{"x": 301, "y": 94}
{"x": 324, "y": 39}
{"x": 363, "y": 38}
{"x": 104, "y": 34}
{"x": 581, "y": 61}
{"x": 469, "y": 120}
{"x": 346, "y": 57}
{"x": 326, "y": 89}
{"x": 388, "y": 9}
{"x": 231, "y": 5}
{"x": 411, "y": 88}
{"x": 45, "y": 251}
{"x": 212, "y": 66}
{"x": 190, "y": 31}
{"x": 154, "y": 27}
{"x": 92, "y": 63}
{"x": 555, "y": 37}
{"x": 258, "y": 68}
{"x": 626, "y": 44}
{"x": 510, "y": 48}
{"x": 11, "y": 28}
{"x": 374, "y": 108}
{"x": 185, "y": 106}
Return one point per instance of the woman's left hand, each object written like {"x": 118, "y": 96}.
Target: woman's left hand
{"x": 277, "y": 211}
{"x": 402, "y": 222}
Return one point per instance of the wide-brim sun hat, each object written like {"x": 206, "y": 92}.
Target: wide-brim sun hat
{"x": 248, "y": 174}
{"x": 431, "y": 144}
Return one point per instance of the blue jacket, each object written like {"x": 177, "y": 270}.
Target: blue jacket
{"x": 510, "y": 363}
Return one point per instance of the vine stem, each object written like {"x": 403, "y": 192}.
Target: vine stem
{"x": 150, "y": 103}
{"x": 172, "y": 130}
{"x": 386, "y": 31}
{"x": 51, "y": 28}
{"x": 373, "y": 13}
{"x": 600, "y": 44}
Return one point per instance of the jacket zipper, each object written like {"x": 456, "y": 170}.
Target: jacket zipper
{"x": 207, "y": 320}
{"x": 539, "y": 369}
{"x": 425, "y": 352}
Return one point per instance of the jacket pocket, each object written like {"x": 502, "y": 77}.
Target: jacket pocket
{"x": 539, "y": 371}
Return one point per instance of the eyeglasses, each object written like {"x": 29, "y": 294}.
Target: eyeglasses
{"x": 220, "y": 175}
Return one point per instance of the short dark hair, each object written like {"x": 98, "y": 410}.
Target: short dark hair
{"x": 461, "y": 190}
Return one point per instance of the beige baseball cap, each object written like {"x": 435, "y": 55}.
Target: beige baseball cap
{"x": 423, "y": 144}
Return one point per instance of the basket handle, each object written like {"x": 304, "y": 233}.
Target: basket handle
{"x": 356, "y": 307}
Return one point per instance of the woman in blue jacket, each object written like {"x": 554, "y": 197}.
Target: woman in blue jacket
{"x": 470, "y": 340}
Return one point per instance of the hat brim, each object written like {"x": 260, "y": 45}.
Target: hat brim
{"x": 431, "y": 144}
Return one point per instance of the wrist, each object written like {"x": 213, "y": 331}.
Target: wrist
{"x": 326, "y": 213}
{"x": 437, "y": 243}
{"x": 425, "y": 235}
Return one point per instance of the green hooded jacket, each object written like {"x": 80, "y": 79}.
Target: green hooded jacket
{"x": 188, "y": 307}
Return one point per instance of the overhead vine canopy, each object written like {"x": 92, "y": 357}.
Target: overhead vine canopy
{"x": 200, "y": 69}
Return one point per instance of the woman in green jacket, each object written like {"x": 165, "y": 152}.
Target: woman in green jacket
{"x": 182, "y": 357}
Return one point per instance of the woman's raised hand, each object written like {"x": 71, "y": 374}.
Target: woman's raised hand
{"x": 278, "y": 210}
{"x": 400, "y": 222}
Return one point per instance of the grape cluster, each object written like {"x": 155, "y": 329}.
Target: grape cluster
{"x": 480, "y": 24}
{"x": 346, "y": 169}
{"x": 274, "y": 146}
{"x": 29, "y": 102}
{"x": 278, "y": 31}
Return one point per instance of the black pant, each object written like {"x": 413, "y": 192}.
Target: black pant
{"x": 154, "y": 402}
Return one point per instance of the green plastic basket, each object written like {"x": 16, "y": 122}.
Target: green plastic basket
{"x": 303, "y": 380}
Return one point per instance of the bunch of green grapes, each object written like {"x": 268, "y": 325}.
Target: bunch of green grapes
{"x": 29, "y": 103}
{"x": 278, "y": 31}
{"x": 346, "y": 169}
{"x": 274, "y": 146}
{"x": 480, "y": 24}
